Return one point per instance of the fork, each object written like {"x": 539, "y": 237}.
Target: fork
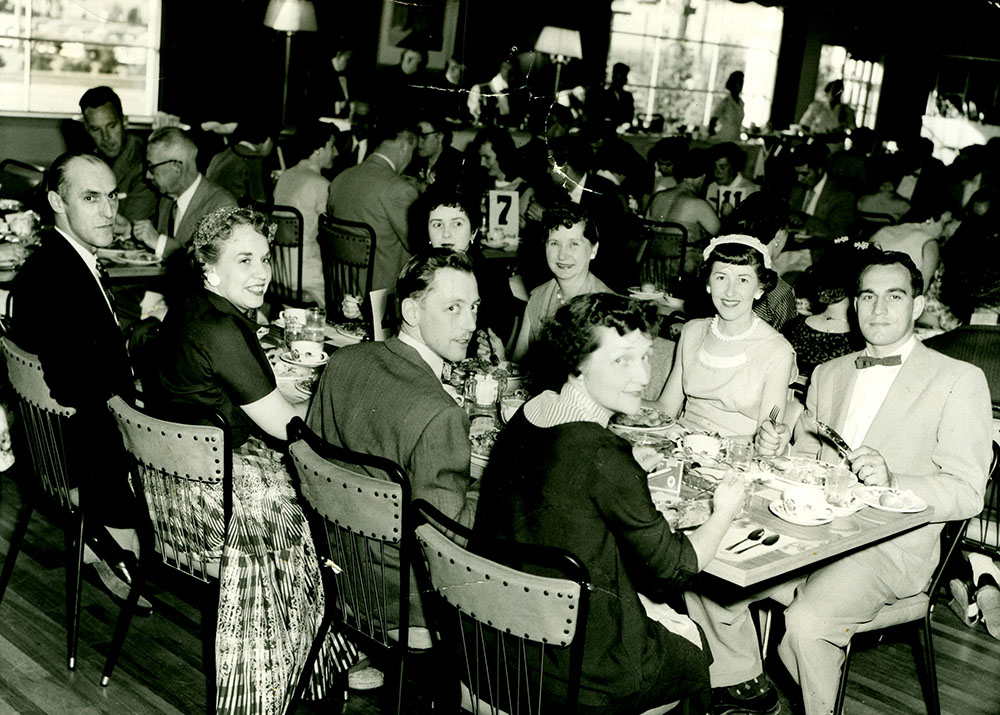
{"x": 773, "y": 416}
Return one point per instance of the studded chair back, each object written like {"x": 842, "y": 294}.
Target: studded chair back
{"x": 357, "y": 508}
{"x": 348, "y": 251}
{"x": 504, "y": 623}
{"x": 664, "y": 254}
{"x": 286, "y": 254}
{"x": 40, "y": 438}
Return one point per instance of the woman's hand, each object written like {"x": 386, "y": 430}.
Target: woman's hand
{"x": 729, "y": 496}
{"x": 772, "y": 439}
{"x": 351, "y": 307}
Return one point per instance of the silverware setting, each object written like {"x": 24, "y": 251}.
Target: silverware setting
{"x": 768, "y": 541}
{"x": 752, "y": 536}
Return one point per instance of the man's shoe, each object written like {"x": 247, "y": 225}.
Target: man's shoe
{"x": 117, "y": 588}
{"x": 961, "y": 605}
{"x": 753, "y": 697}
{"x": 988, "y": 600}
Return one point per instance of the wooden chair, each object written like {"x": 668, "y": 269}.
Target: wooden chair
{"x": 914, "y": 611}
{"x": 183, "y": 472}
{"x": 663, "y": 253}
{"x": 286, "y": 255}
{"x": 39, "y": 439}
{"x": 21, "y": 181}
{"x": 359, "y": 523}
{"x": 348, "y": 252}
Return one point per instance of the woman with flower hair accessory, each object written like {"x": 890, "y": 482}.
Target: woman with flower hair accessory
{"x": 271, "y": 599}
{"x": 731, "y": 370}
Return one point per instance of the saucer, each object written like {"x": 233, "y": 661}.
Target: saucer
{"x": 778, "y": 509}
{"x": 853, "y": 505}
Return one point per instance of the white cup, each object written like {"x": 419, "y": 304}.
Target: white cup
{"x": 804, "y": 502}
{"x": 304, "y": 347}
{"x": 295, "y": 315}
{"x": 703, "y": 444}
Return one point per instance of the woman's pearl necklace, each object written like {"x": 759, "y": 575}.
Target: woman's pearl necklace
{"x": 734, "y": 338}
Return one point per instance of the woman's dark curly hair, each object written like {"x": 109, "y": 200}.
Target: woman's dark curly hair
{"x": 214, "y": 229}
{"x": 737, "y": 254}
{"x": 569, "y": 336}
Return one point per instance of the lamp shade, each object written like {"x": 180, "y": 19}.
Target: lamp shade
{"x": 291, "y": 16}
{"x": 559, "y": 41}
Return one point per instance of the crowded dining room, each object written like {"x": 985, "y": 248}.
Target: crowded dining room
{"x": 459, "y": 356}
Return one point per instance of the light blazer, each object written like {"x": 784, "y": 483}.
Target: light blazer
{"x": 933, "y": 430}
{"x": 373, "y": 193}
{"x": 207, "y": 198}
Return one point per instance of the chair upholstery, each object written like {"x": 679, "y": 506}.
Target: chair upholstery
{"x": 663, "y": 258}
{"x": 21, "y": 181}
{"x": 286, "y": 254}
{"x": 39, "y": 434}
{"x": 359, "y": 523}
{"x": 348, "y": 250}
{"x": 183, "y": 472}
{"x": 507, "y": 618}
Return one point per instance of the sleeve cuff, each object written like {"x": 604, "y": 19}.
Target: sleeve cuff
{"x": 161, "y": 243}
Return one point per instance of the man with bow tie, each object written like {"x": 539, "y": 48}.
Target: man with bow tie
{"x": 916, "y": 420}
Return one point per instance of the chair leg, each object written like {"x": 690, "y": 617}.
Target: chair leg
{"x": 74, "y": 582}
{"x": 124, "y": 620}
{"x": 16, "y": 540}
{"x": 838, "y": 706}
{"x": 929, "y": 677}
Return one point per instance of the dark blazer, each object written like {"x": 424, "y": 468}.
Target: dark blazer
{"x": 834, "y": 209}
{"x": 207, "y": 198}
{"x": 60, "y": 314}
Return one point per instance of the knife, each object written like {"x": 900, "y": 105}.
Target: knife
{"x": 843, "y": 448}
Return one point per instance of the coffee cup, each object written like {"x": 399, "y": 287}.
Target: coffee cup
{"x": 703, "y": 444}
{"x": 804, "y": 502}
{"x": 293, "y": 315}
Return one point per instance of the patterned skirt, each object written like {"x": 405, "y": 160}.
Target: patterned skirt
{"x": 271, "y": 594}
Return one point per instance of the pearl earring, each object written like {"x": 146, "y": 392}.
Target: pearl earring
{"x": 213, "y": 279}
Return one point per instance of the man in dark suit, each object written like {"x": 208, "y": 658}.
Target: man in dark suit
{"x": 819, "y": 205}
{"x": 186, "y": 194}
{"x": 374, "y": 193}
{"x": 63, "y": 313}
{"x": 387, "y": 399}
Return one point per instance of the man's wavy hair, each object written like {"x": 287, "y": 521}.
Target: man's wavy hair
{"x": 570, "y": 335}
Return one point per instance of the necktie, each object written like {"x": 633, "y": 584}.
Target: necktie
{"x": 104, "y": 279}
{"x": 863, "y": 361}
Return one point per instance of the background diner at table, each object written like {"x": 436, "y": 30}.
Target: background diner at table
{"x": 510, "y": 218}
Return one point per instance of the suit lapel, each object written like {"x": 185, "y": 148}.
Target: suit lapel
{"x": 193, "y": 211}
{"x": 398, "y": 347}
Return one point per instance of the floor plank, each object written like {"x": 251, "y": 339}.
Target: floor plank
{"x": 160, "y": 669}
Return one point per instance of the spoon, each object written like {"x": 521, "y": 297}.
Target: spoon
{"x": 752, "y": 536}
{"x": 769, "y": 541}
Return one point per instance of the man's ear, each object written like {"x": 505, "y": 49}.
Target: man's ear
{"x": 919, "y": 303}
{"x": 411, "y": 312}
{"x": 56, "y": 202}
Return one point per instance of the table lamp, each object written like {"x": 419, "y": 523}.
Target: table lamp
{"x": 289, "y": 16}
{"x": 562, "y": 44}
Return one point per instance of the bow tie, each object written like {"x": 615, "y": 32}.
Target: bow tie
{"x": 863, "y": 361}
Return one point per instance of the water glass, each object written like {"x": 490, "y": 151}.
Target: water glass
{"x": 837, "y": 488}
{"x": 315, "y": 325}
{"x": 750, "y": 487}
{"x": 739, "y": 454}
{"x": 294, "y": 331}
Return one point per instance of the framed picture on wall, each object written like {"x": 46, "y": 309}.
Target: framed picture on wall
{"x": 428, "y": 25}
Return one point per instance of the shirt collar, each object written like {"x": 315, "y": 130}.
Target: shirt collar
{"x": 820, "y": 185}
{"x": 390, "y": 162}
{"x": 433, "y": 360}
{"x": 571, "y": 404}
{"x": 89, "y": 258}
{"x": 576, "y": 193}
{"x": 185, "y": 198}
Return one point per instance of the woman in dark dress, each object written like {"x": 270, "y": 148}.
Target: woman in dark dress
{"x": 557, "y": 476}
{"x": 271, "y": 598}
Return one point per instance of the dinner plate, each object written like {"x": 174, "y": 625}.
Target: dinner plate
{"x": 348, "y": 333}
{"x": 644, "y": 413}
{"x": 801, "y": 471}
{"x": 129, "y": 256}
{"x": 778, "y": 509}
{"x": 870, "y": 496}
{"x": 306, "y": 358}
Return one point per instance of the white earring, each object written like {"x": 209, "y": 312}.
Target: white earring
{"x": 213, "y": 279}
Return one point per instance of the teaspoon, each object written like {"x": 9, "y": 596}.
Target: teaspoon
{"x": 752, "y": 536}
{"x": 769, "y": 541}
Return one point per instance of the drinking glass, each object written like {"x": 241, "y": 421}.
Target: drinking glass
{"x": 739, "y": 454}
{"x": 837, "y": 486}
{"x": 750, "y": 486}
{"x": 295, "y": 331}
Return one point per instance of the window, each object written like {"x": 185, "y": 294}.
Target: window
{"x": 52, "y": 51}
{"x": 862, "y": 81}
{"x": 681, "y": 52}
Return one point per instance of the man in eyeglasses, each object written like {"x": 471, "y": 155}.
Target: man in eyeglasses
{"x": 437, "y": 162}
{"x": 186, "y": 194}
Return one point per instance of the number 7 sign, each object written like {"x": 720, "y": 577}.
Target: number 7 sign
{"x": 504, "y": 213}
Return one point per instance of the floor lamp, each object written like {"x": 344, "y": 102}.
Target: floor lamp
{"x": 562, "y": 44}
{"x": 289, "y": 16}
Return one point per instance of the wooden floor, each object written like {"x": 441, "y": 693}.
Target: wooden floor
{"x": 160, "y": 671}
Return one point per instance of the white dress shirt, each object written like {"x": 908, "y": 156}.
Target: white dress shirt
{"x": 810, "y": 207}
{"x": 870, "y": 388}
{"x": 183, "y": 201}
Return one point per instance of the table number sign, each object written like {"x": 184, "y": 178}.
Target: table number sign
{"x": 504, "y": 213}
